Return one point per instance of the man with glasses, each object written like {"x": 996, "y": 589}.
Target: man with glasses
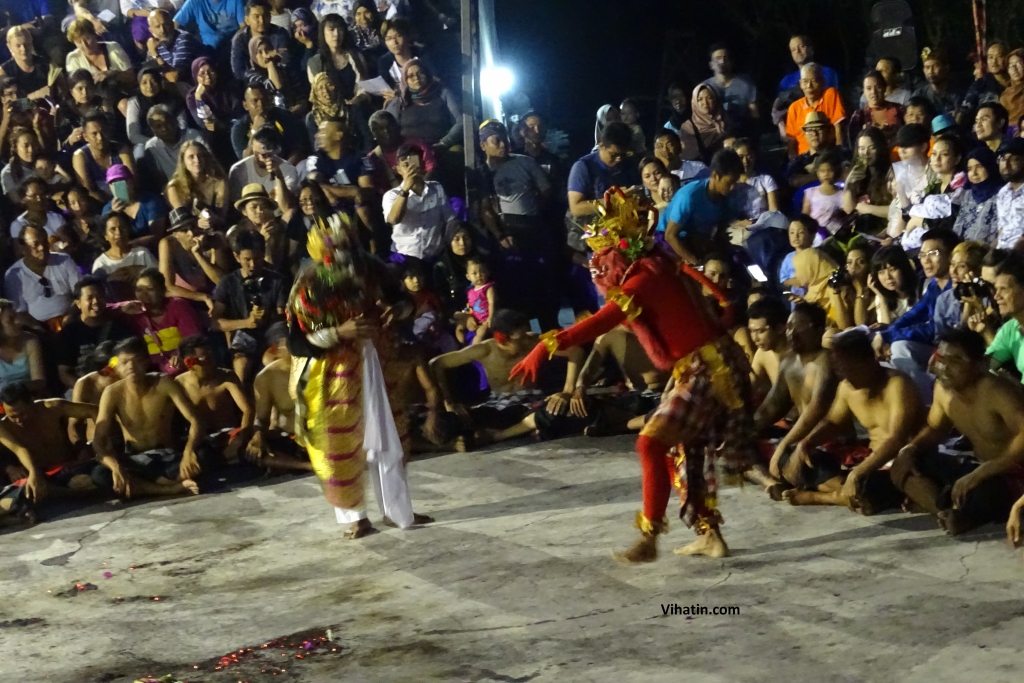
{"x": 41, "y": 284}
{"x": 909, "y": 341}
{"x": 264, "y": 167}
{"x": 1010, "y": 199}
{"x": 592, "y": 175}
{"x": 820, "y": 136}
{"x": 964, "y": 493}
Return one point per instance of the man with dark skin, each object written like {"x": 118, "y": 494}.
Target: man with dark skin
{"x": 220, "y": 401}
{"x": 988, "y": 410}
{"x": 334, "y": 140}
{"x": 806, "y": 382}
{"x": 143, "y": 404}
{"x": 54, "y": 466}
{"x": 95, "y": 324}
{"x": 766, "y": 324}
{"x": 260, "y": 111}
{"x": 886, "y": 404}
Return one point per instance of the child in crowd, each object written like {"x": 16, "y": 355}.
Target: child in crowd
{"x": 824, "y": 203}
{"x": 480, "y": 299}
{"x": 629, "y": 114}
{"x": 428, "y": 311}
{"x": 811, "y": 268}
{"x": 280, "y": 15}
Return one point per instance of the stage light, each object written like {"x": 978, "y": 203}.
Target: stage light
{"x": 495, "y": 81}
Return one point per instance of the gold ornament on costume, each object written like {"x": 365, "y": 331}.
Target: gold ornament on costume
{"x": 326, "y": 236}
{"x": 622, "y": 223}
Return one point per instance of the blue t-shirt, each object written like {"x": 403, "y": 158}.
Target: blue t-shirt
{"x": 338, "y": 172}
{"x": 793, "y": 79}
{"x": 217, "y": 20}
{"x": 591, "y": 177}
{"x": 693, "y": 211}
{"x": 151, "y": 207}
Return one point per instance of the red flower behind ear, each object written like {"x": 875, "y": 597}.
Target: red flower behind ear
{"x": 501, "y": 337}
{"x": 191, "y": 362}
{"x": 623, "y": 244}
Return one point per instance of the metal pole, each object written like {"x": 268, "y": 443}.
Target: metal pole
{"x": 470, "y": 72}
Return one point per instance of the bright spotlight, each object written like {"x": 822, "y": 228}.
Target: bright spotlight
{"x": 495, "y": 81}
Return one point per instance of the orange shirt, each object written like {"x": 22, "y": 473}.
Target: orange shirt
{"x": 830, "y": 105}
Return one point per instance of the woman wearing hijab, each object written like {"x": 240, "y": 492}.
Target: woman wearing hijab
{"x": 366, "y": 31}
{"x": 265, "y": 69}
{"x": 608, "y": 113}
{"x": 213, "y": 108}
{"x": 151, "y": 92}
{"x": 325, "y": 103}
{"x": 707, "y": 128}
{"x": 977, "y": 218}
{"x": 426, "y": 109}
{"x": 304, "y": 30}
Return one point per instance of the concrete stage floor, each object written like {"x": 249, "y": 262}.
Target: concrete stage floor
{"x": 513, "y": 583}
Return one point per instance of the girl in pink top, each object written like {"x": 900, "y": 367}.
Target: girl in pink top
{"x": 480, "y": 299}
{"x": 824, "y": 203}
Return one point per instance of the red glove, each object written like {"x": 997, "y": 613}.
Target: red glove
{"x": 530, "y": 366}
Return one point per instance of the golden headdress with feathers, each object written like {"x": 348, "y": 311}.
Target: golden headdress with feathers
{"x": 623, "y": 223}
{"x": 328, "y": 235}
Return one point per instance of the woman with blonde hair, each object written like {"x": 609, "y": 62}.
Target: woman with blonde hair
{"x": 200, "y": 185}
{"x": 108, "y": 63}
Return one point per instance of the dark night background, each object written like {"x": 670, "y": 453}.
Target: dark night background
{"x": 572, "y": 56}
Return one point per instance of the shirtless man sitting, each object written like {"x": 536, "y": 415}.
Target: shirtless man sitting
{"x": 886, "y": 403}
{"x": 805, "y": 382}
{"x": 221, "y": 403}
{"x": 143, "y": 404}
{"x": 509, "y": 405}
{"x": 272, "y": 444}
{"x": 95, "y": 374}
{"x": 766, "y": 323}
{"x": 987, "y": 409}
{"x": 54, "y": 465}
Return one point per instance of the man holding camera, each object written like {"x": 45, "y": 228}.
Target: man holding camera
{"x": 247, "y": 301}
{"x": 417, "y": 210}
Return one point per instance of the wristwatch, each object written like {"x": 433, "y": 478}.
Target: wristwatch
{"x": 403, "y": 193}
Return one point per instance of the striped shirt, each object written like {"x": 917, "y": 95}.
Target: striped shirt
{"x": 180, "y": 53}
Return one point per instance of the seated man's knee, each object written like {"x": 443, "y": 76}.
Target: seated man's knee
{"x": 901, "y": 468}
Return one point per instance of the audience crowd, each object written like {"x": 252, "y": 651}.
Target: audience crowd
{"x": 163, "y": 161}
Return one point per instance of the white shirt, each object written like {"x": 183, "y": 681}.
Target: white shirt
{"x": 244, "y": 172}
{"x": 139, "y": 256}
{"x": 420, "y": 233}
{"x": 755, "y": 194}
{"x": 147, "y": 4}
{"x": 1009, "y": 215}
{"x": 26, "y": 290}
{"x": 691, "y": 170}
{"x": 346, "y": 8}
{"x": 165, "y": 157}
{"x": 54, "y": 222}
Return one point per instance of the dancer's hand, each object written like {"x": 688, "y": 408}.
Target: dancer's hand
{"x": 530, "y": 366}
{"x": 36, "y": 487}
{"x": 355, "y": 328}
{"x": 189, "y": 467}
{"x": 121, "y": 485}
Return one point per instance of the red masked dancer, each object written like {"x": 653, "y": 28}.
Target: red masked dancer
{"x": 705, "y": 412}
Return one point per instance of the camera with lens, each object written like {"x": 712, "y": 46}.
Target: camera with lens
{"x": 976, "y": 288}
{"x": 839, "y": 279}
{"x": 253, "y": 288}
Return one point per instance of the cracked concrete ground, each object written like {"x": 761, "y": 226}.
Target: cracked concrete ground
{"x": 513, "y": 583}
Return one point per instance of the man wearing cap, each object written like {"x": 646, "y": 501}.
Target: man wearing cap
{"x": 943, "y": 123}
{"x": 170, "y": 47}
{"x": 820, "y": 135}
{"x": 938, "y": 90}
{"x": 265, "y": 168}
{"x": 147, "y": 212}
{"x": 1010, "y": 199}
{"x": 417, "y": 210}
{"x": 818, "y": 98}
{"x": 990, "y": 124}
{"x": 259, "y": 216}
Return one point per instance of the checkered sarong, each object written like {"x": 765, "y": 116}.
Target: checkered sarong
{"x": 706, "y": 418}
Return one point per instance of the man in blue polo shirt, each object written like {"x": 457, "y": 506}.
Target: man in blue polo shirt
{"x": 701, "y": 207}
{"x": 802, "y": 51}
{"x": 609, "y": 166}
{"x": 217, "y": 20}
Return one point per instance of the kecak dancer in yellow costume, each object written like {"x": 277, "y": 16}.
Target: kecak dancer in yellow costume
{"x": 345, "y": 364}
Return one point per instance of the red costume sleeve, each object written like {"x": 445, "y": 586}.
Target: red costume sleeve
{"x": 728, "y": 310}
{"x": 582, "y": 332}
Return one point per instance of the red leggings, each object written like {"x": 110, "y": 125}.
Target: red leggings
{"x": 656, "y": 468}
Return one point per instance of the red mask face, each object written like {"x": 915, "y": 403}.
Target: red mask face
{"x": 607, "y": 269}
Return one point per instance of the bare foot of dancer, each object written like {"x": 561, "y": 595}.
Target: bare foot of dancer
{"x": 759, "y": 475}
{"x": 358, "y": 529}
{"x": 417, "y": 520}
{"x": 798, "y": 497}
{"x": 644, "y": 550}
{"x": 952, "y": 522}
{"x": 709, "y": 544}
{"x": 190, "y": 486}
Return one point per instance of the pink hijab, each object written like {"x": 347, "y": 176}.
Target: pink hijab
{"x": 711, "y": 126}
